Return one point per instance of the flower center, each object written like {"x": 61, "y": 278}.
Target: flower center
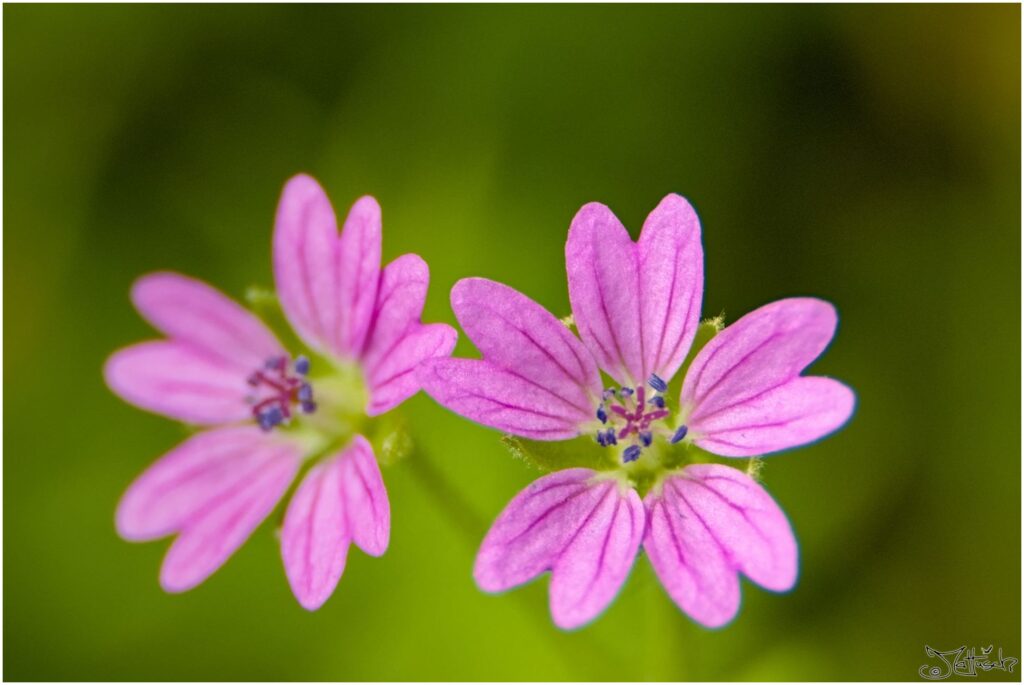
{"x": 278, "y": 388}
{"x": 629, "y": 415}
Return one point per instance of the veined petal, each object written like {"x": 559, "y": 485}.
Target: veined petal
{"x": 327, "y": 285}
{"x": 400, "y": 298}
{"x": 501, "y": 398}
{"x": 604, "y": 289}
{"x": 749, "y": 368}
{"x": 367, "y": 510}
{"x": 586, "y": 532}
{"x": 515, "y": 333}
{"x": 795, "y": 413}
{"x": 188, "y": 310}
{"x": 193, "y": 477}
{"x": 340, "y": 500}
{"x": 392, "y": 377}
{"x": 211, "y": 533}
{"x": 359, "y": 272}
{"x": 706, "y": 525}
{"x": 179, "y": 380}
{"x": 672, "y": 271}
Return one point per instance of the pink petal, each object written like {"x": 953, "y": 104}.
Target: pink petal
{"x": 359, "y": 269}
{"x": 795, "y": 413}
{"x": 604, "y": 290}
{"x": 215, "y": 489}
{"x": 739, "y": 383}
{"x": 672, "y": 269}
{"x": 516, "y": 334}
{"x": 327, "y": 285}
{"x": 190, "y": 478}
{"x": 191, "y": 311}
{"x": 392, "y": 378}
{"x": 315, "y": 538}
{"x": 500, "y": 398}
{"x": 340, "y": 500}
{"x": 367, "y": 510}
{"x": 180, "y": 381}
{"x": 586, "y": 532}
{"x": 403, "y": 290}
{"x": 706, "y": 525}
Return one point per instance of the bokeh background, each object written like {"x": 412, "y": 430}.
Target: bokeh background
{"x": 868, "y": 155}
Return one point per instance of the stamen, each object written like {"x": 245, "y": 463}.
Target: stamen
{"x": 646, "y": 437}
{"x": 657, "y": 383}
{"x": 679, "y": 434}
{"x": 609, "y": 437}
{"x": 602, "y": 415}
{"x": 281, "y": 391}
{"x": 625, "y": 392}
{"x": 631, "y": 453}
{"x": 658, "y": 401}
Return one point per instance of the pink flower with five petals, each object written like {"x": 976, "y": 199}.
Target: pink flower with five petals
{"x": 263, "y": 411}
{"x": 637, "y": 308}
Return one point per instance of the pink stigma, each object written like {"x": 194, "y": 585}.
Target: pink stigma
{"x": 280, "y": 390}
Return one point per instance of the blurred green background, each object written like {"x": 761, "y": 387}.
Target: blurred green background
{"x": 867, "y": 155}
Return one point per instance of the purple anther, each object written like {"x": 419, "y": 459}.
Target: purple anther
{"x": 656, "y": 382}
{"x": 679, "y": 434}
{"x": 631, "y": 453}
{"x": 302, "y": 365}
{"x": 646, "y": 437}
{"x": 602, "y": 415}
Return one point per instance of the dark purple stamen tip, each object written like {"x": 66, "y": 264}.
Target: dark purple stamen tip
{"x": 679, "y": 434}
{"x": 602, "y": 415}
{"x": 308, "y": 407}
{"x": 625, "y": 392}
{"x": 646, "y": 437}
{"x": 631, "y": 453}
{"x": 657, "y": 383}
{"x": 601, "y": 439}
{"x": 608, "y": 393}
{"x": 302, "y": 365}
{"x": 609, "y": 437}
{"x": 305, "y": 393}
{"x": 658, "y": 401}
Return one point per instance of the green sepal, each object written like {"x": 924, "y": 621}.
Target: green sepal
{"x": 581, "y": 452}
{"x": 392, "y": 442}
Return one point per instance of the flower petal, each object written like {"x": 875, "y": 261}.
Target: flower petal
{"x": 340, "y": 500}
{"x": 744, "y": 369}
{"x": 796, "y": 413}
{"x": 216, "y": 519}
{"x": 604, "y": 289}
{"x": 500, "y": 398}
{"x": 400, "y": 298}
{"x": 191, "y": 311}
{"x": 516, "y": 334}
{"x": 327, "y": 285}
{"x": 392, "y": 379}
{"x": 672, "y": 269}
{"x": 367, "y": 509}
{"x": 190, "y": 478}
{"x": 707, "y": 524}
{"x": 180, "y": 381}
{"x": 586, "y": 532}
{"x": 314, "y": 537}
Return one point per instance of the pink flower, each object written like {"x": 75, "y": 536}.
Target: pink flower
{"x": 637, "y": 307}
{"x": 263, "y": 410}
